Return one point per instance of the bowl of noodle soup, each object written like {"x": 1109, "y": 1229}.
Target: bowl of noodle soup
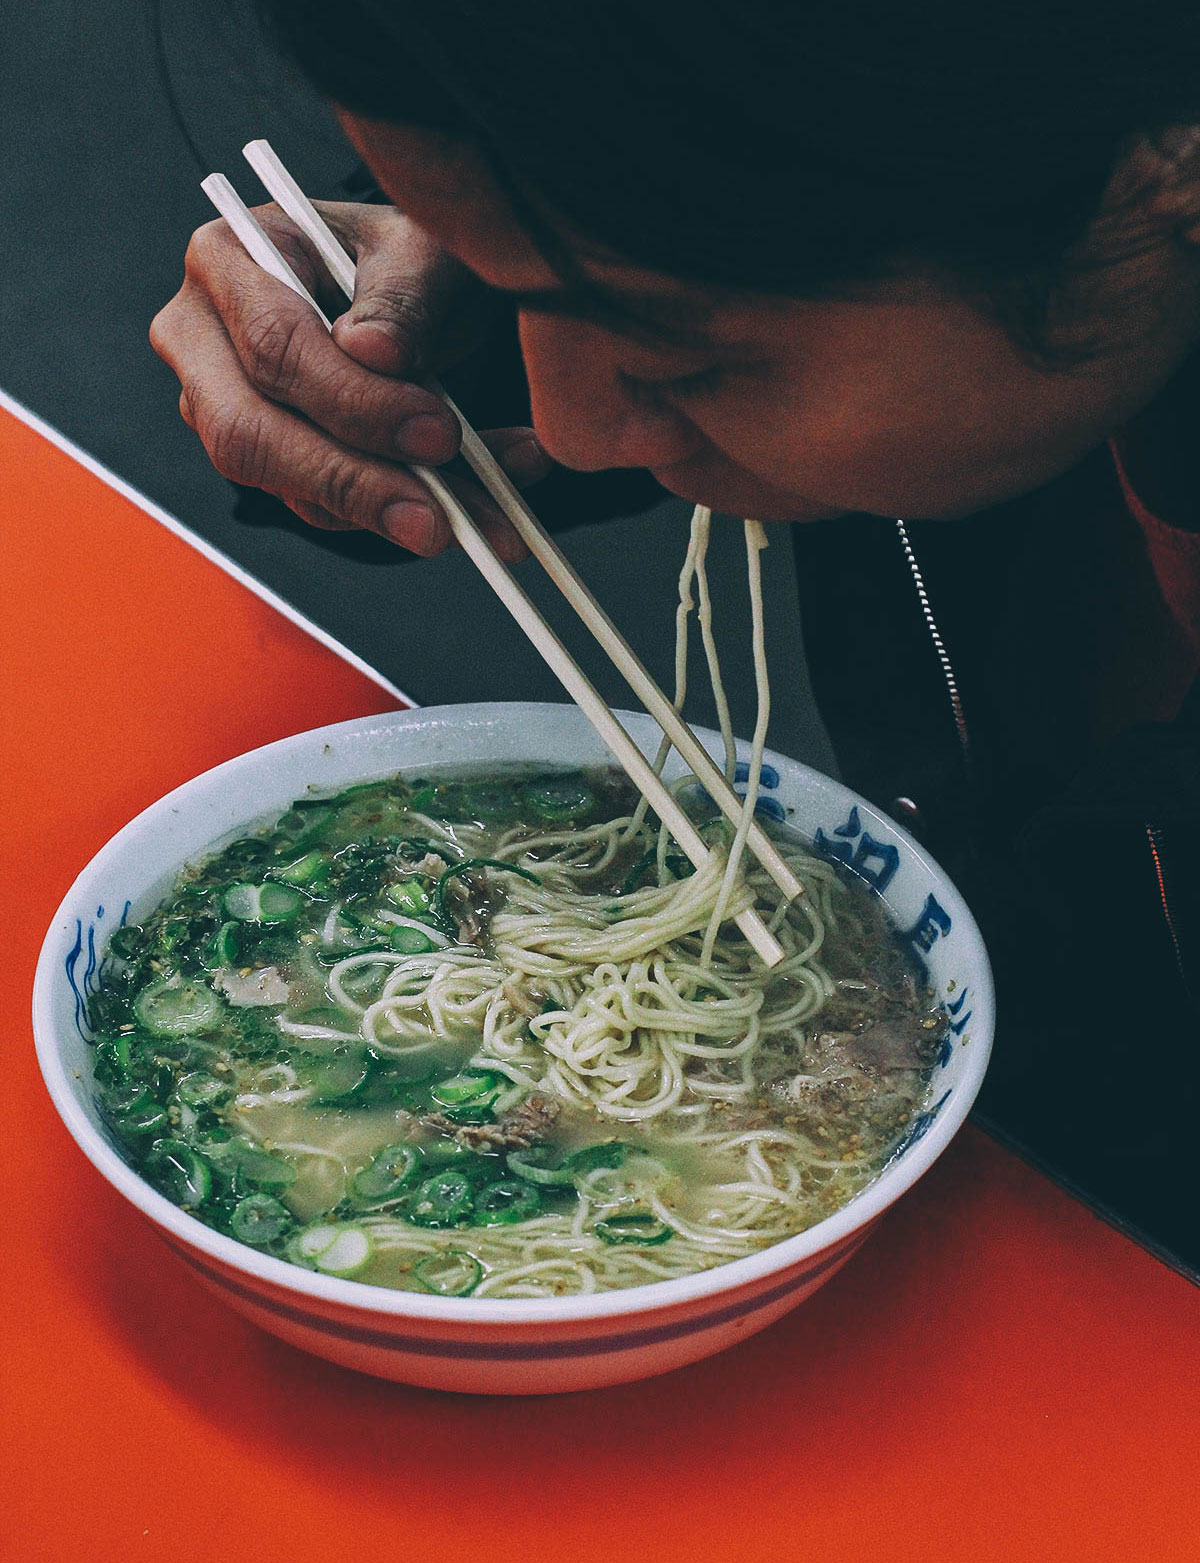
{"x": 637, "y": 1210}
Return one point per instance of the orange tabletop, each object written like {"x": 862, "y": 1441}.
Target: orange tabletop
{"x": 997, "y": 1375}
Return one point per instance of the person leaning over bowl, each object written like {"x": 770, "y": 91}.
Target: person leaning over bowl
{"x": 831, "y": 265}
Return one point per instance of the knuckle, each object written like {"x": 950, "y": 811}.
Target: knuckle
{"x": 402, "y": 307}
{"x": 205, "y": 247}
{"x": 237, "y": 445}
{"x": 360, "y": 410}
{"x": 212, "y": 251}
{"x": 350, "y": 219}
{"x": 173, "y": 330}
{"x": 271, "y": 347}
{"x": 342, "y": 486}
{"x": 160, "y": 330}
{"x": 290, "y": 243}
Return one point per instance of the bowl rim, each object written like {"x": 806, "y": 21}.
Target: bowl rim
{"x": 835, "y": 1230}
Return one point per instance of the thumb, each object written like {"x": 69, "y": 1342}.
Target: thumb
{"x": 405, "y": 288}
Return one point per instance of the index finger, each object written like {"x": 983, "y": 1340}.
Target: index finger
{"x": 289, "y": 357}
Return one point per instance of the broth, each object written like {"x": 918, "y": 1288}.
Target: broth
{"x": 454, "y": 1033}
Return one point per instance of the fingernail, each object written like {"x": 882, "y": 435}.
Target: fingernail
{"x": 364, "y": 323}
{"x": 410, "y": 524}
{"x": 525, "y": 459}
{"x": 427, "y": 437}
{"x": 507, "y": 545}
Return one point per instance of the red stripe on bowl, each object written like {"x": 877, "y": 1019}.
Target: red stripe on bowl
{"x": 513, "y": 1351}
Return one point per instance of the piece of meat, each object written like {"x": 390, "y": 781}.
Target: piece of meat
{"x": 825, "y": 1094}
{"x": 893, "y": 1042}
{"x": 899, "y": 1043}
{"x": 251, "y": 989}
{"x": 468, "y": 903}
{"x": 519, "y": 996}
{"x": 515, "y": 1131}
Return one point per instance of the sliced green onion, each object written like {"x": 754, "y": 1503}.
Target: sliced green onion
{"x": 213, "y": 1138}
{"x": 608, "y": 1153}
{"x": 258, "y": 1166}
{"x": 182, "y": 1175}
{"x": 173, "y": 932}
{"x": 250, "y": 849}
{"x": 304, "y": 870}
{"x": 143, "y": 1115}
{"x": 542, "y": 1164}
{"x": 308, "y": 810}
{"x": 472, "y": 1096}
{"x": 336, "y": 1250}
{"x": 442, "y": 1200}
{"x": 557, "y": 797}
{"x": 471, "y": 1086}
{"x": 414, "y": 844}
{"x": 114, "y": 1058}
{"x": 107, "y": 1010}
{"x": 471, "y": 1113}
{"x": 200, "y": 1089}
{"x": 336, "y": 1079}
{"x": 392, "y": 1169}
{"x": 225, "y": 946}
{"x": 358, "y": 790}
{"x": 440, "y": 1154}
{"x": 452, "y": 1274}
{"x": 633, "y": 1228}
{"x": 407, "y": 940}
{"x": 305, "y": 824}
{"x": 505, "y": 1202}
{"x": 177, "y": 1007}
{"x": 476, "y": 800}
{"x": 126, "y": 942}
{"x": 241, "y": 902}
{"x": 162, "y": 1079}
{"x": 267, "y": 903}
{"x": 260, "y": 1220}
{"x": 410, "y": 895}
{"x": 395, "y": 1079}
{"x": 624, "y": 1185}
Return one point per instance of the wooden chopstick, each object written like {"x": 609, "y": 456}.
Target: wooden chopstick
{"x": 288, "y": 195}
{"x": 293, "y": 202}
{"x": 622, "y": 655}
{"x": 259, "y": 246}
{"x": 255, "y": 241}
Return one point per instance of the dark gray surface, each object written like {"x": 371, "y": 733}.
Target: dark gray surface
{"x": 102, "y": 191}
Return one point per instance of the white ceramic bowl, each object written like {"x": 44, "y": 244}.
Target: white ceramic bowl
{"x": 499, "y": 1346}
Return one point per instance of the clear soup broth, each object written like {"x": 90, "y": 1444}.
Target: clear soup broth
{"x": 453, "y": 1033}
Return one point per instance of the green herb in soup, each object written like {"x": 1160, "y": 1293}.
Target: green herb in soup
{"x": 455, "y": 1034}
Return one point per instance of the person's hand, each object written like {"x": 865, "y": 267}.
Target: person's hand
{"x": 323, "y": 421}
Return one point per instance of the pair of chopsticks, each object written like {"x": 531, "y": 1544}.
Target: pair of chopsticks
{"x": 295, "y": 204}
